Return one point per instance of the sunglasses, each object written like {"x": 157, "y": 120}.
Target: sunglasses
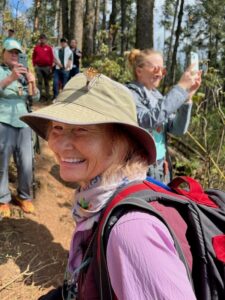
{"x": 155, "y": 69}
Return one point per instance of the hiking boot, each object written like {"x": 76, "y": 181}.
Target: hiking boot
{"x": 25, "y": 204}
{"x": 4, "y": 210}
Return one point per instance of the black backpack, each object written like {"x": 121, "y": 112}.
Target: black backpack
{"x": 204, "y": 214}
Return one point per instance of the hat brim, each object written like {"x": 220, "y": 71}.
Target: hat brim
{"x": 13, "y": 48}
{"x": 39, "y": 122}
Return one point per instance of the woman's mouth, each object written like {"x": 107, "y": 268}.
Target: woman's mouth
{"x": 72, "y": 160}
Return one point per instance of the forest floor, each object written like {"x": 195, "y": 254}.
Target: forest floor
{"x": 34, "y": 247}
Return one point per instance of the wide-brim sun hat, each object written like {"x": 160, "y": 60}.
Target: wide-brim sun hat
{"x": 91, "y": 99}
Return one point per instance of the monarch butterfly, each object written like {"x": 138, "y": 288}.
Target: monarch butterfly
{"x": 91, "y": 73}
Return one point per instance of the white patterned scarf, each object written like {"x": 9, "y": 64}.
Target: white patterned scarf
{"x": 89, "y": 203}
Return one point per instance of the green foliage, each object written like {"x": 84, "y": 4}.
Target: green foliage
{"x": 108, "y": 62}
{"x": 207, "y": 133}
{"x": 107, "y": 67}
{"x": 112, "y": 67}
{"x": 191, "y": 168}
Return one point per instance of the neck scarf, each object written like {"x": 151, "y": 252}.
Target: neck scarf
{"x": 89, "y": 203}
{"x": 91, "y": 200}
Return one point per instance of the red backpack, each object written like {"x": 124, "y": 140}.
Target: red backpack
{"x": 204, "y": 216}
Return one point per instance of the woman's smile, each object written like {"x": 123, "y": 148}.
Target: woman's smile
{"x": 83, "y": 152}
{"x": 72, "y": 160}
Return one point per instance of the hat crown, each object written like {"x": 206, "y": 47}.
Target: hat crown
{"x": 11, "y": 44}
{"x": 101, "y": 95}
{"x": 92, "y": 101}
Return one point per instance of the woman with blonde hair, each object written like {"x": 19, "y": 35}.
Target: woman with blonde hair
{"x": 93, "y": 131}
{"x": 156, "y": 113}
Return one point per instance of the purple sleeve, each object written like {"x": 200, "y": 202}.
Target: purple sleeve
{"x": 143, "y": 262}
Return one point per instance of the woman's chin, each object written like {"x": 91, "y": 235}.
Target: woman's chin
{"x": 69, "y": 177}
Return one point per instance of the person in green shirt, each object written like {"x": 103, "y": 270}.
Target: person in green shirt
{"x": 15, "y": 135}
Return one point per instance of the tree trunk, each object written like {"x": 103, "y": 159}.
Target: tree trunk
{"x": 44, "y": 16}
{"x": 58, "y": 23}
{"x": 168, "y": 59}
{"x": 176, "y": 44}
{"x": 123, "y": 5}
{"x": 76, "y": 21}
{"x": 113, "y": 29}
{"x": 96, "y": 23}
{"x": 104, "y": 3}
{"x": 169, "y": 51}
{"x": 37, "y": 7}
{"x": 2, "y": 16}
{"x": 144, "y": 24}
{"x": 89, "y": 19}
{"x": 65, "y": 18}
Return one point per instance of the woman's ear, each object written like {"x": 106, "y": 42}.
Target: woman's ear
{"x": 138, "y": 71}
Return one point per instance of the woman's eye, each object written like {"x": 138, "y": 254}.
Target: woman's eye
{"x": 81, "y": 129}
{"x": 57, "y": 127}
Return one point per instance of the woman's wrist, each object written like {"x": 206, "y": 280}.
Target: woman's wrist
{"x": 183, "y": 86}
{"x": 189, "y": 100}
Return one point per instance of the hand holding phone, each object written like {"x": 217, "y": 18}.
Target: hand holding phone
{"x": 194, "y": 61}
{"x": 23, "y": 60}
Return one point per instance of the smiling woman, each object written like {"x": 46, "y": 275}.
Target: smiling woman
{"x": 92, "y": 130}
{"x": 156, "y": 113}
{"x": 82, "y": 152}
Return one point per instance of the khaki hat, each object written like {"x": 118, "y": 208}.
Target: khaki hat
{"x": 101, "y": 101}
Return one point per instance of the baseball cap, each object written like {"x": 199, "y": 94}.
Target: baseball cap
{"x": 63, "y": 40}
{"x": 11, "y": 44}
{"x": 43, "y": 36}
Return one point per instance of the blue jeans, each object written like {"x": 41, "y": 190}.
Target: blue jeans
{"x": 74, "y": 71}
{"x": 17, "y": 142}
{"x": 60, "y": 76}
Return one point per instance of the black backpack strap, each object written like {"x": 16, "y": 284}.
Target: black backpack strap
{"x": 139, "y": 90}
{"x": 135, "y": 197}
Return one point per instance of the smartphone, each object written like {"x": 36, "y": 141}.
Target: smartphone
{"x": 194, "y": 61}
{"x": 23, "y": 60}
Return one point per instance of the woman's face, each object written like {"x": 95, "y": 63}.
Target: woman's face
{"x": 151, "y": 72}
{"x": 83, "y": 152}
{"x": 10, "y": 58}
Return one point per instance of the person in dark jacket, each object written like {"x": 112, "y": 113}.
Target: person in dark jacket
{"x": 77, "y": 54}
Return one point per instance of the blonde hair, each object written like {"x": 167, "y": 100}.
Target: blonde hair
{"x": 137, "y": 58}
{"x": 128, "y": 158}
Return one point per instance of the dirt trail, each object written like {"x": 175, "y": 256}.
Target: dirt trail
{"x": 34, "y": 248}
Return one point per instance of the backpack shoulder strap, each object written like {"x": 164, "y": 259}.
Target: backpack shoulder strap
{"x": 132, "y": 197}
{"x": 139, "y": 90}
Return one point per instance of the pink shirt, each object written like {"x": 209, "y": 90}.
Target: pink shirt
{"x": 143, "y": 263}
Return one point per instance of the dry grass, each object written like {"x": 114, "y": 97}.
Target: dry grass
{"x": 34, "y": 248}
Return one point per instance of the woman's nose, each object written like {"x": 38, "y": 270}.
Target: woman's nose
{"x": 66, "y": 140}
